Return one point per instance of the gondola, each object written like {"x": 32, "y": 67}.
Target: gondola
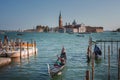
{"x": 97, "y": 52}
{"x": 55, "y": 70}
{"x": 20, "y": 34}
{"x": 59, "y": 65}
{"x": 80, "y": 35}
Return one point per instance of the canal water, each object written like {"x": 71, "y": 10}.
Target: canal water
{"x": 49, "y": 46}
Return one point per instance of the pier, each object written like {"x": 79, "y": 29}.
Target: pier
{"x": 111, "y": 46}
{"x": 16, "y": 49}
{"x": 119, "y": 66}
{"x": 108, "y": 48}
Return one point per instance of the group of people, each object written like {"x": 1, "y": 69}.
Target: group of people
{"x": 5, "y": 44}
{"x": 62, "y": 59}
{"x": 5, "y": 41}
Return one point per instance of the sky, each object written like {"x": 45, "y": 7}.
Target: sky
{"x": 27, "y": 14}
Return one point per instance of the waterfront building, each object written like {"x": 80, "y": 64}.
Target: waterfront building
{"x": 82, "y": 29}
{"x": 93, "y": 29}
{"x": 99, "y": 29}
{"x": 73, "y": 28}
{"x": 61, "y": 29}
{"x": 76, "y": 28}
{"x": 30, "y": 30}
{"x": 39, "y": 28}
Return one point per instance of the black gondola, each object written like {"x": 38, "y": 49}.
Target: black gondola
{"x": 97, "y": 52}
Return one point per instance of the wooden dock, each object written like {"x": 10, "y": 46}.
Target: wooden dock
{"x": 111, "y": 48}
{"x": 4, "y": 61}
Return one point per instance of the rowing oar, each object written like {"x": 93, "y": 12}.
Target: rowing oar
{"x": 49, "y": 70}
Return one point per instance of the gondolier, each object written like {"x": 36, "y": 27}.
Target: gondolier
{"x": 63, "y": 53}
{"x": 5, "y": 40}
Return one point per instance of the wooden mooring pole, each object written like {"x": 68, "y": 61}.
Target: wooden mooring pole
{"x": 20, "y": 44}
{"x": 119, "y": 65}
{"x": 32, "y": 46}
{"x": 111, "y": 46}
{"x": 90, "y": 46}
{"x": 117, "y": 50}
{"x": 87, "y": 75}
{"x": 28, "y": 49}
{"x": 101, "y": 45}
{"x": 104, "y": 50}
{"x": 93, "y": 66}
{"x": 35, "y": 47}
{"x": 88, "y": 54}
{"x": 108, "y": 62}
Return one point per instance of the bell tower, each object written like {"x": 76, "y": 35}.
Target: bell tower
{"x": 60, "y": 21}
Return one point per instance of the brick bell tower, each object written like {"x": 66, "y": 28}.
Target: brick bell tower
{"x": 60, "y": 21}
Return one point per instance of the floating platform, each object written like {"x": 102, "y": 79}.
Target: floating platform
{"x": 19, "y": 52}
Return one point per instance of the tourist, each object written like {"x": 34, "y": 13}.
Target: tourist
{"x": 0, "y": 44}
{"x": 5, "y": 40}
{"x": 62, "y": 61}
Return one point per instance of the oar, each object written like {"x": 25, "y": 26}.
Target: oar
{"x": 49, "y": 70}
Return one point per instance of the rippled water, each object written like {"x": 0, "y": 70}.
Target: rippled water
{"x": 49, "y": 45}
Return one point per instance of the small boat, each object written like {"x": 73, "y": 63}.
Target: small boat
{"x": 70, "y": 32}
{"x": 58, "y": 66}
{"x": 55, "y": 70}
{"x": 20, "y": 34}
{"x": 97, "y": 52}
{"x": 84, "y": 33}
{"x": 80, "y": 35}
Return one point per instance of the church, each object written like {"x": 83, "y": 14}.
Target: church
{"x": 76, "y": 28}
{"x": 61, "y": 28}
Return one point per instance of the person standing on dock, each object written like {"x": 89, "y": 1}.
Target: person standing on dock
{"x": 0, "y": 44}
{"x": 5, "y": 40}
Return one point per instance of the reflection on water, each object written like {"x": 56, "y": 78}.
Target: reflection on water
{"x": 16, "y": 60}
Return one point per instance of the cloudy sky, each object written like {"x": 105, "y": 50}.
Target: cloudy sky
{"x": 25, "y": 14}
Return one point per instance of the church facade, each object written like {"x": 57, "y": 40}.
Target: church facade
{"x": 76, "y": 28}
